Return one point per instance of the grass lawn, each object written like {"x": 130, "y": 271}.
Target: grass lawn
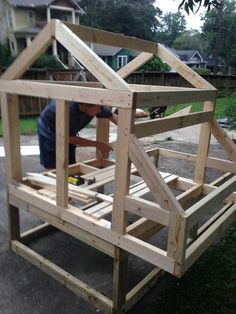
{"x": 209, "y": 286}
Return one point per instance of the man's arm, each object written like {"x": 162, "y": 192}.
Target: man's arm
{"x": 114, "y": 118}
{"x": 80, "y": 141}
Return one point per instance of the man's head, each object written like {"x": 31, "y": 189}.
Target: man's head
{"x": 91, "y": 110}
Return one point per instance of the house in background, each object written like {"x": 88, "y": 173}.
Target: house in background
{"x": 115, "y": 57}
{"x": 190, "y": 57}
{"x": 221, "y": 65}
{"x": 20, "y": 18}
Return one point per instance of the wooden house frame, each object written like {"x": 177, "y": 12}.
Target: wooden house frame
{"x": 181, "y": 215}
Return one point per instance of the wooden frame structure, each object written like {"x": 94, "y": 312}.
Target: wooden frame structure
{"x": 46, "y": 195}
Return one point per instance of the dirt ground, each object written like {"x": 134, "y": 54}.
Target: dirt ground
{"x": 25, "y": 290}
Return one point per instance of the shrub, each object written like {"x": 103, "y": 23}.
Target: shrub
{"x": 155, "y": 64}
{"x": 5, "y": 53}
{"x": 202, "y": 71}
{"x": 47, "y": 61}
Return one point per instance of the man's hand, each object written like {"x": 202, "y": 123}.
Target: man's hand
{"x": 104, "y": 147}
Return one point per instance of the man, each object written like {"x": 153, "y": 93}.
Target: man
{"x": 79, "y": 116}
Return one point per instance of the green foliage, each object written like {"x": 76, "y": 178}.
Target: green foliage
{"x": 155, "y": 64}
{"x": 129, "y": 17}
{"x": 47, "y": 61}
{"x": 193, "y": 40}
{"x": 4, "y": 53}
{"x": 228, "y": 31}
{"x": 194, "y": 5}
{"x": 230, "y": 111}
{"x": 202, "y": 71}
{"x": 172, "y": 25}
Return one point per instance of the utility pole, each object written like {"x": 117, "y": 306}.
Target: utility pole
{"x": 218, "y": 36}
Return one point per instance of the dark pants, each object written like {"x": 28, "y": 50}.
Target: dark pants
{"x": 48, "y": 153}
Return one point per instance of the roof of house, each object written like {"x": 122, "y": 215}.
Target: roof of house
{"x": 105, "y": 51}
{"x": 37, "y": 3}
{"x": 33, "y": 30}
{"x": 187, "y": 55}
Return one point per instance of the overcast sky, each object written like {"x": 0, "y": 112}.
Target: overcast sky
{"x": 193, "y": 20}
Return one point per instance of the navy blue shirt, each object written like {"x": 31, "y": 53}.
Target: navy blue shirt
{"x": 77, "y": 121}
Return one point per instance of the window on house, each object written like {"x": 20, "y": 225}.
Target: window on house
{"x": 12, "y": 46}
{"x": 31, "y": 17}
{"x": 10, "y": 18}
{"x": 65, "y": 18}
{"x": 121, "y": 61}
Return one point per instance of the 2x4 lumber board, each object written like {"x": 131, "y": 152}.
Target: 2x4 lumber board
{"x": 215, "y": 197}
{"x": 122, "y": 170}
{"x": 64, "y": 226}
{"x": 172, "y": 97}
{"x": 10, "y": 121}
{"x": 66, "y": 279}
{"x": 81, "y": 168}
{"x": 159, "y": 88}
{"x": 189, "y": 197}
{"x": 98, "y": 36}
{"x": 13, "y": 222}
{"x": 102, "y": 135}
{"x": 143, "y": 228}
{"x": 209, "y": 222}
{"x": 147, "y": 209}
{"x": 135, "y": 246}
{"x": 36, "y": 232}
{"x": 134, "y": 64}
{"x": 147, "y": 128}
{"x": 207, "y": 238}
{"x": 211, "y": 162}
{"x": 39, "y": 179}
{"x": 142, "y": 288}
{"x": 62, "y": 152}
{"x": 222, "y": 179}
{"x": 103, "y": 72}
{"x": 225, "y": 141}
{"x": 98, "y": 228}
{"x": 151, "y": 176}
{"x": 191, "y": 76}
{"x": 120, "y": 269}
{"x": 139, "y": 190}
{"x": 28, "y": 56}
{"x": 104, "y": 176}
{"x": 177, "y": 238}
{"x": 72, "y": 83}
{"x": 89, "y": 95}
{"x": 203, "y": 146}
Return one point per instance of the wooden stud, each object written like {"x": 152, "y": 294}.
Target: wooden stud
{"x": 10, "y": 121}
{"x": 203, "y": 147}
{"x": 88, "y": 95}
{"x": 89, "y": 59}
{"x": 62, "y": 152}
{"x": 149, "y": 173}
{"x": 150, "y": 127}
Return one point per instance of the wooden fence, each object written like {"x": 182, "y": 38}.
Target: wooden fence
{"x": 32, "y": 106}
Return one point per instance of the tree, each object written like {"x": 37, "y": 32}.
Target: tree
{"x": 191, "y": 39}
{"x": 129, "y": 17}
{"x": 194, "y": 5}
{"x": 228, "y": 32}
{"x": 172, "y": 25}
